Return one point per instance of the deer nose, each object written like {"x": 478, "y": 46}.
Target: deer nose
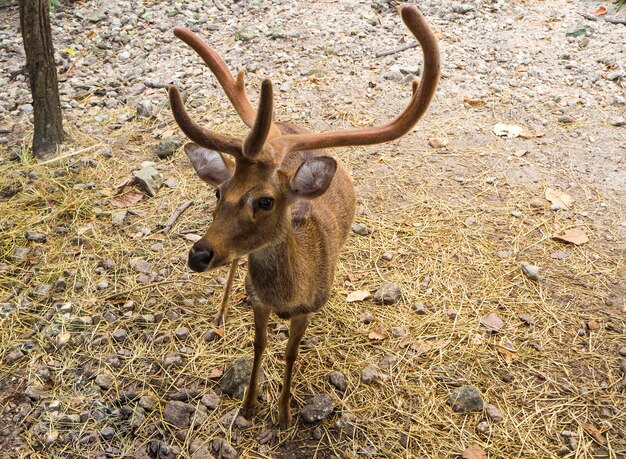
{"x": 199, "y": 258}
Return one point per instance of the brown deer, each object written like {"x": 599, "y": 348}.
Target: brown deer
{"x": 281, "y": 202}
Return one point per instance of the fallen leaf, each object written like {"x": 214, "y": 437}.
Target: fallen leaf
{"x": 473, "y": 102}
{"x": 156, "y": 236}
{"x": 600, "y": 11}
{"x": 507, "y": 350}
{"x": 128, "y": 181}
{"x": 574, "y": 236}
{"x": 357, "y": 275}
{"x": 561, "y": 199}
{"x": 474, "y": 452}
{"x": 127, "y": 199}
{"x": 219, "y": 332}
{"x": 492, "y": 322}
{"x": 418, "y": 346}
{"x": 521, "y": 152}
{"x": 192, "y": 237}
{"x": 358, "y": 295}
{"x": 215, "y": 373}
{"x": 510, "y": 131}
{"x": 594, "y": 432}
{"x": 377, "y": 335}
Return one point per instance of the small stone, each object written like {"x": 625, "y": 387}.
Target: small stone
{"x": 168, "y": 146}
{"x": 536, "y": 203}
{"x": 34, "y": 392}
{"x": 13, "y": 356}
{"x": 622, "y": 351}
{"x": 482, "y": 427}
{"x": 107, "y": 433}
{"x": 148, "y": 402}
{"x": 119, "y": 335}
{"x": 223, "y": 449}
{"x": 105, "y": 381}
{"x": 233, "y": 417}
{"x": 530, "y": 271}
{"x": 338, "y": 380}
{"x": 361, "y": 229}
{"x": 35, "y": 236}
{"x": 494, "y": 413}
{"x": 137, "y": 418}
{"x": 419, "y": 309}
{"x": 200, "y": 449}
{"x": 211, "y": 400}
{"x": 149, "y": 179}
{"x": 437, "y": 143}
{"x": 452, "y": 313}
{"x": 181, "y": 333}
{"x": 516, "y": 214}
{"x": 237, "y": 376}
{"x": 118, "y": 218}
{"x": 140, "y": 265}
{"x": 387, "y": 256}
{"x": 369, "y": 374}
{"x": 618, "y": 121}
{"x": 463, "y": 8}
{"x": 507, "y": 377}
{"x": 144, "y": 109}
{"x": 172, "y": 359}
{"x": 563, "y": 451}
{"x": 102, "y": 285}
{"x": 387, "y": 293}
{"x": 466, "y": 399}
{"x": 565, "y": 119}
{"x": 492, "y": 322}
{"x": 388, "y": 362}
{"x": 51, "y": 437}
{"x": 318, "y": 408}
{"x": 367, "y": 318}
{"x": 43, "y": 290}
{"x": 399, "y": 332}
{"x": 622, "y": 366}
{"x": 157, "y": 247}
{"x": 178, "y": 414}
{"x": 171, "y": 182}
{"x": 559, "y": 255}
{"x": 527, "y": 319}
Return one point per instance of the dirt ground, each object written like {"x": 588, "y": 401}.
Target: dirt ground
{"x": 89, "y": 335}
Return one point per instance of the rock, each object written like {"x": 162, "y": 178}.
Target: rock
{"x": 399, "y": 332}
{"x": 137, "y": 418}
{"x": 318, "y": 408}
{"x": 360, "y": 229}
{"x": 338, "y": 380}
{"x": 437, "y": 143}
{"x": 516, "y": 214}
{"x": 172, "y": 359}
{"x": 168, "y": 146}
{"x": 222, "y": 449}
{"x": 148, "y": 402}
{"x": 494, "y": 413}
{"x": 157, "y": 247}
{"x": 149, "y": 180}
{"x": 13, "y": 356}
{"x": 35, "y": 236}
{"x": 34, "y": 392}
{"x": 452, "y": 313}
{"x": 233, "y": 418}
{"x": 105, "y": 381}
{"x": 388, "y": 362}
{"x": 237, "y": 376}
{"x": 51, "y": 437}
{"x": 622, "y": 366}
{"x": 618, "y": 121}
{"x": 527, "y": 319}
{"x": 367, "y": 318}
{"x": 144, "y": 109}
{"x": 530, "y": 271}
{"x": 102, "y": 285}
{"x": 140, "y": 265}
{"x": 466, "y": 399}
{"x": 482, "y": 427}
{"x": 387, "y": 293}
{"x": 200, "y": 449}
{"x": 107, "y": 433}
{"x": 171, "y": 182}
{"x": 419, "y": 308}
{"x": 181, "y": 333}
{"x": 178, "y": 414}
{"x": 565, "y": 119}
{"x": 211, "y": 400}
{"x": 492, "y": 322}
{"x": 43, "y": 290}
{"x": 622, "y": 351}
{"x": 119, "y": 335}
{"x": 463, "y": 8}
{"x": 563, "y": 451}
{"x": 387, "y": 256}
{"x": 118, "y": 218}
{"x": 559, "y": 255}
{"x": 536, "y": 203}
{"x": 369, "y": 374}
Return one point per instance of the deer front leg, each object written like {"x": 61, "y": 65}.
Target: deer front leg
{"x": 296, "y": 331}
{"x": 261, "y": 316}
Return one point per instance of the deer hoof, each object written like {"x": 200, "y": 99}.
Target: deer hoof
{"x": 219, "y": 320}
{"x": 246, "y": 411}
{"x": 284, "y": 420}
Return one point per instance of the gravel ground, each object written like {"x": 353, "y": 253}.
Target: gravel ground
{"x": 503, "y": 62}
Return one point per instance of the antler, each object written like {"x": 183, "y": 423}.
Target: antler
{"x": 403, "y": 123}
{"x": 234, "y": 88}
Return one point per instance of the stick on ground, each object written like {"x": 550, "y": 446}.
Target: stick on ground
{"x": 175, "y": 215}
{"x": 397, "y": 50}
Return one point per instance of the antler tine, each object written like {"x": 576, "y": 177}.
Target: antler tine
{"x": 234, "y": 88}
{"x": 399, "y": 126}
{"x": 203, "y": 137}
{"x": 258, "y": 135}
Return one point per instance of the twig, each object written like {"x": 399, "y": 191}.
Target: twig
{"x": 221, "y": 314}
{"x": 177, "y": 213}
{"x": 142, "y": 287}
{"x": 59, "y": 158}
{"x": 397, "y": 50}
{"x": 591, "y": 17}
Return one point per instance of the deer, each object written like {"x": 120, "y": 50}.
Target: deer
{"x": 281, "y": 201}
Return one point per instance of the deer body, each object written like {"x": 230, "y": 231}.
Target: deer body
{"x": 282, "y": 202}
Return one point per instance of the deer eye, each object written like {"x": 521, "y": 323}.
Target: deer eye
{"x": 265, "y": 203}
{"x": 217, "y": 194}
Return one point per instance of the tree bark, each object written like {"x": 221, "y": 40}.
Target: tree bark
{"x": 42, "y": 72}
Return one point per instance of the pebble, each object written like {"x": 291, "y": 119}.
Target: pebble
{"x": 622, "y": 351}
{"x": 494, "y": 413}
{"x": 118, "y": 218}
{"x": 530, "y": 271}
{"x": 140, "y": 265}
{"x": 436, "y": 142}
{"x": 34, "y": 392}
{"x": 466, "y": 399}
{"x": 168, "y": 146}
{"x": 387, "y": 293}
{"x": 119, "y": 335}
{"x": 149, "y": 180}
{"x": 172, "y": 359}
{"x": 144, "y": 109}
{"x": 388, "y": 362}
{"x": 14, "y": 355}
{"x": 618, "y": 121}
{"x": 35, "y": 236}
{"x": 536, "y": 203}
{"x": 237, "y": 376}
{"x": 317, "y": 408}
{"x": 148, "y": 402}
{"x": 178, "y": 414}
{"x": 105, "y": 381}
{"x": 102, "y": 285}
{"x": 338, "y": 380}
{"x": 361, "y": 229}
{"x": 367, "y": 318}
{"x": 387, "y": 256}
{"x": 565, "y": 119}
{"x": 463, "y": 8}
{"x": 211, "y": 400}
{"x": 369, "y": 374}
{"x": 419, "y": 308}
{"x": 181, "y": 333}
{"x": 516, "y": 214}
{"x": 452, "y": 313}
{"x": 482, "y": 427}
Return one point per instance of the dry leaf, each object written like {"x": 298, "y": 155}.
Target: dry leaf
{"x": 192, "y": 237}
{"x": 418, "y": 346}
{"x": 474, "y": 452}
{"x": 600, "y": 11}
{"x": 128, "y": 181}
{"x": 492, "y": 322}
{"x": 574, "y": 236}
{"x": 563, "y": 200}
{"x": 507, "y": 350}
{"x": 157, "y": 236}
{"x": 357, "y": 275}
{"x": 377, "y": 335}
{"x": 127, "y": 199}
{"x": 594, "y": 432}
{"x": 219, "y": 332}
{"x": 358, "y": 295}
{"x": 473, "y": 102}
{"x": 215, "y": 373}
{"x": 521, "y": 152}
{"x": 510, "y": 131}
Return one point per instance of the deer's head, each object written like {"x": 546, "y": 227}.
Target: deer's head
{"x": 253, "y": 193}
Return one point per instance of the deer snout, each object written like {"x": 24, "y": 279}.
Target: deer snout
{"x": 199, "y": 257}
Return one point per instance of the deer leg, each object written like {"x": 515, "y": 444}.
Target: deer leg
{"x": 261, "y": 316}
{"x": 296, "y": 331}
{"x": 221, "y": 313}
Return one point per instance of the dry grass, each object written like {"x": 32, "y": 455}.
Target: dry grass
{"x": 561, "y": 375}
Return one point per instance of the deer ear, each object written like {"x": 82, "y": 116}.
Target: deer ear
{"x": 210, "y": 165}
{"x": 313, "y": 177}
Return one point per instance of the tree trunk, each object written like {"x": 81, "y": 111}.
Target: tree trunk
{"x": 42, "y": 72}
